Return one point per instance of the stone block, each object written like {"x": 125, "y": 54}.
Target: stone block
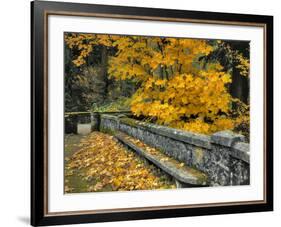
{"x": 226, "y": 138}
{"x": 84, "y": 129}
{"x": 95, "y": 121}
{"x": 241, "y": 151}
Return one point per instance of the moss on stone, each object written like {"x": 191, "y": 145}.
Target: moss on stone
{"x": 129, "y": 121}
{"x": 76, "y": 113}
{"x": 201, "y": 177}
{"x": 108, "y": 131}
{"x": 199, "y": 154}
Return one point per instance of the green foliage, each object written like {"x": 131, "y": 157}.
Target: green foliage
{"x": 121, "y": 104}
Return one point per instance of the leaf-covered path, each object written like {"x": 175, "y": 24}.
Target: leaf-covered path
{"x": 97, "y": 162}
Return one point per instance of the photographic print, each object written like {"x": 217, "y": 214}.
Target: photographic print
{"x": 141, "y": 113}
{"x": 149, "y": 113}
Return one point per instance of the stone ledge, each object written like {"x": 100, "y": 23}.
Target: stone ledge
{"x": 108, "y": 116}
{"x": 226, "y": 138}
{"x": 180, "y": 135}
{"x": 190, "y": 177}
{"x": 241, "y": 150}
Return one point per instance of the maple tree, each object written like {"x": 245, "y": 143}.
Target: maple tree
{"x": 87, "y": 84}
{"x": 175, "y": 87}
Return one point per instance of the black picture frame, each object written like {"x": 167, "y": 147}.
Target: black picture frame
{"x": 39, "y": 110}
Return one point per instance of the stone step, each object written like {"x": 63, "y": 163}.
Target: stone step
{"x": 185, "y": 176}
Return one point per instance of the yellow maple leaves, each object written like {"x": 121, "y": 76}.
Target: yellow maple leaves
{"x": 185, "y": 96}
{"x": 107, "y": 166}
{"x": 244, "y": 64}
{"x": 175, "y": 89}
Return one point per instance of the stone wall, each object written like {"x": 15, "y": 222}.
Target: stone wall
{"x": 223, "y": 156}
{"x": 75, "y": 120}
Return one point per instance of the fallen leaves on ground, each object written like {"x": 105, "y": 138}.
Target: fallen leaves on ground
{"x": 107, "y": 166}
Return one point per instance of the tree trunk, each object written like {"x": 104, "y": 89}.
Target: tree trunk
{"x": 104, "y": 64}
{"x": 239, "y": 87}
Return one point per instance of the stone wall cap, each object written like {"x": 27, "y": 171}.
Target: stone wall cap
{"x": 241, "y": 150}
{"x": 177, "y": 134}
{"x": 109, "y": 116}
{"x": 226, "y": 138}
{"x": 122, "y": 116}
